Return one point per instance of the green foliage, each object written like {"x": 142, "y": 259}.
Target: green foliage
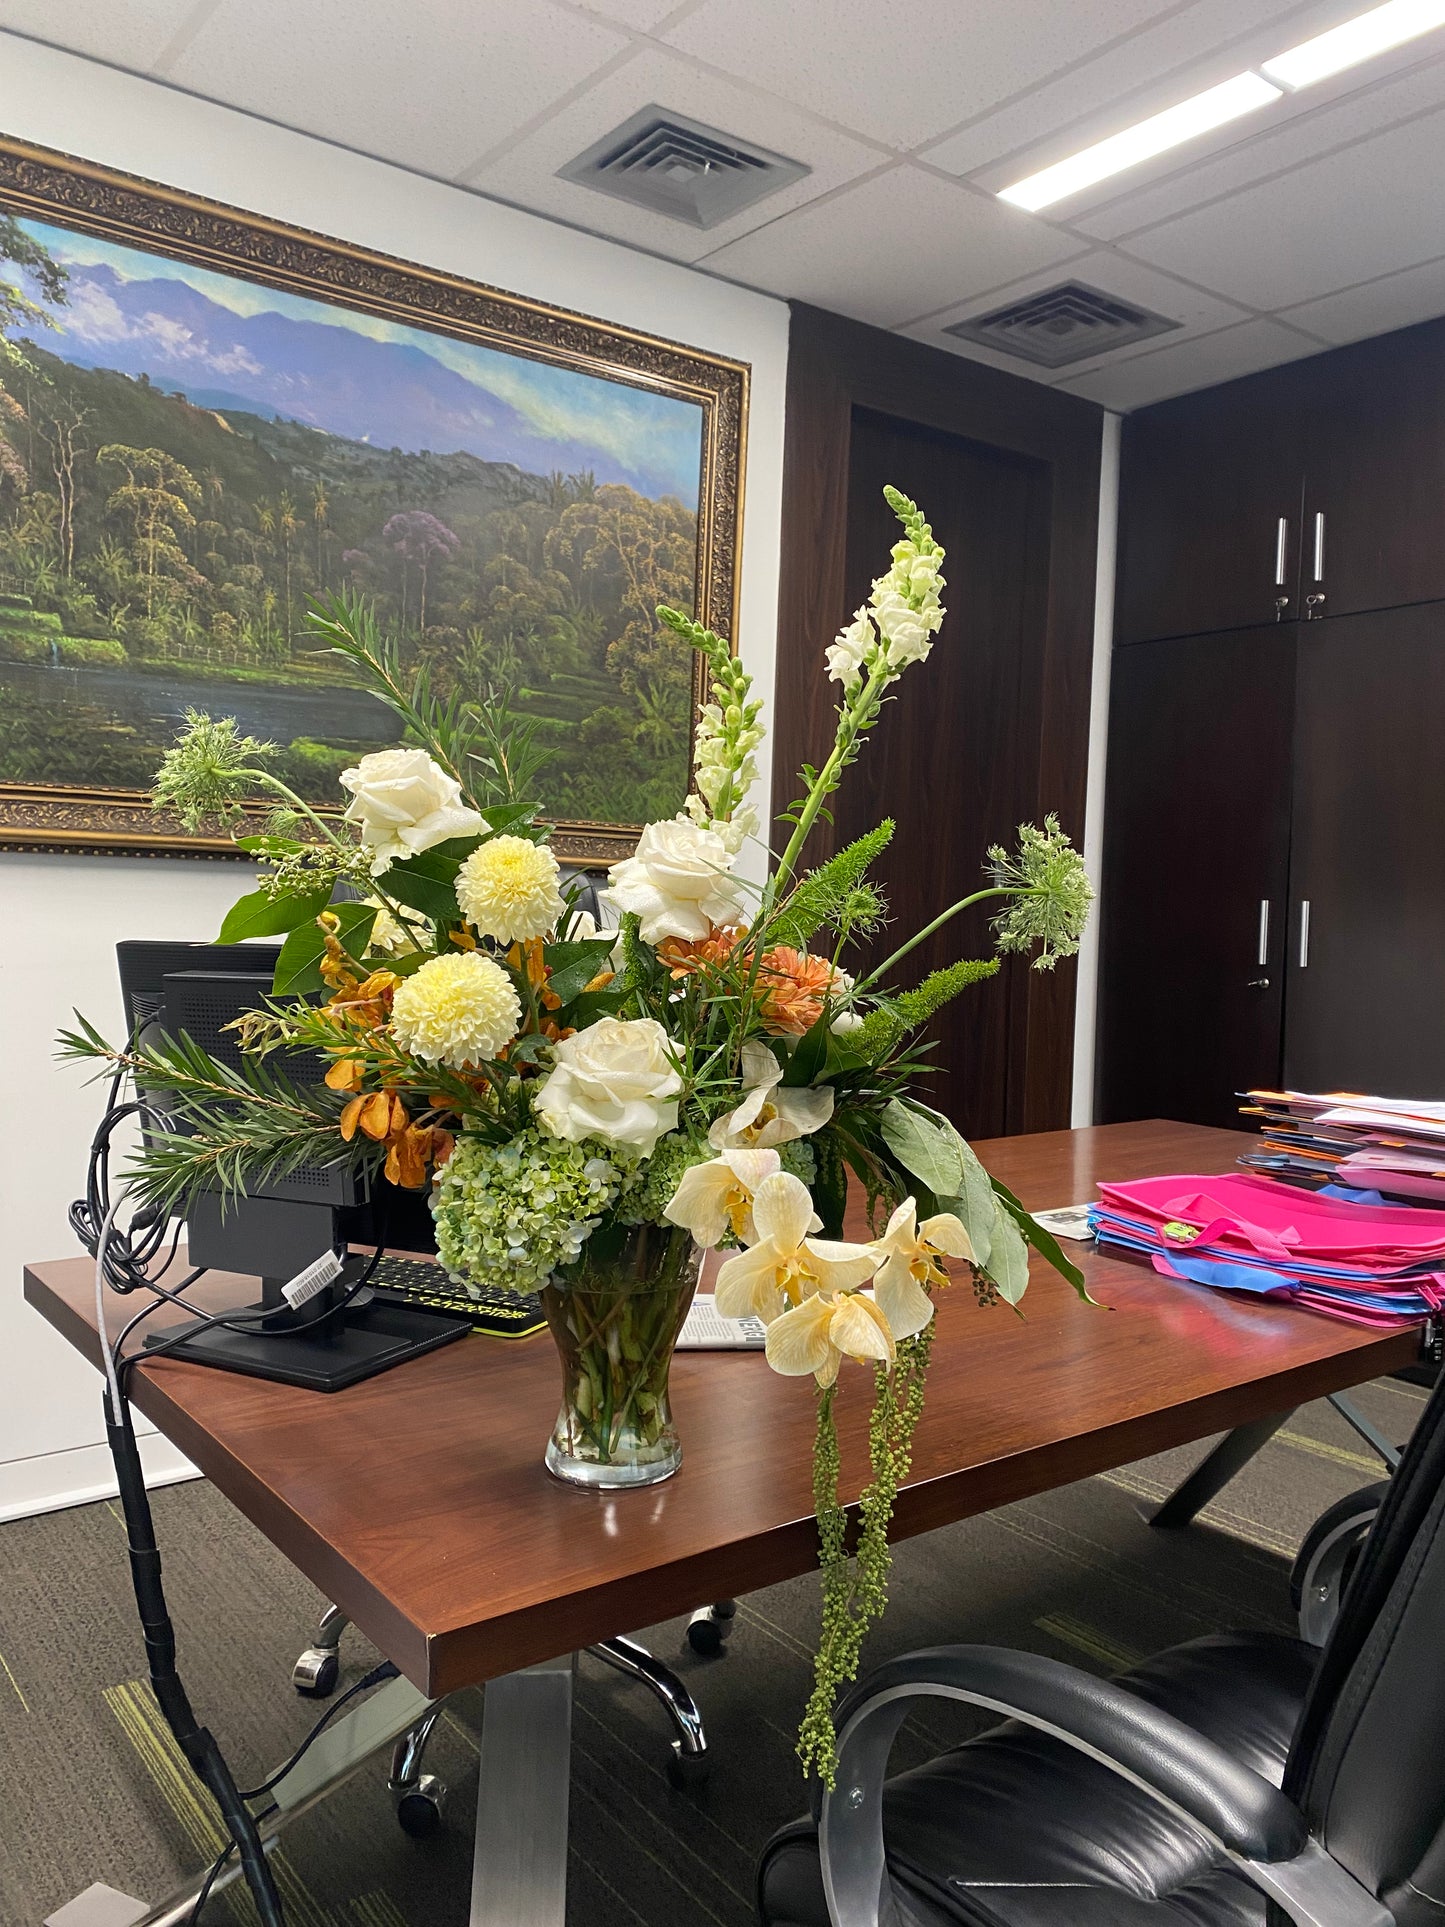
{"x": 243, "y": 1126}
{"x": 884, "y": 1028}
{"x": 855, "y": 1593}
{"x": 298, "y": 968}
{"x": 822, "y": 896}
{"x": 268, "y": 913}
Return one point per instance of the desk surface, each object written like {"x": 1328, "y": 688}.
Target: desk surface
{"x": 418, "y": 1501}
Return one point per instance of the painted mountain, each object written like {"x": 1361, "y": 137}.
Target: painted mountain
{"x": 186, "y": 456}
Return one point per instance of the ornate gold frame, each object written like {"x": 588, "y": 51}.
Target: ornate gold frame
{"x": 58, "y": 188}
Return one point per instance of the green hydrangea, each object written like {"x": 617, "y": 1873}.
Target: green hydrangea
{"x": 508, "y": 1214}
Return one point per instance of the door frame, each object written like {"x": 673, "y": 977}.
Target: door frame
{"x": 834, "y": 366}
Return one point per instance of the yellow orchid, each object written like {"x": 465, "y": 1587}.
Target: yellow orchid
{"x": 768, "y": 1115}
{"x": 912, "y": 1259}
{"x": 817, "y": 1335}
{"x": 786, "y": 1264}
{"x": 716, "y": 1198}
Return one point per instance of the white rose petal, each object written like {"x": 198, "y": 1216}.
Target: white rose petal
{"x": 678, "y": 883}
{"x": 616, "y": 1081}
{"x": 402, "y": 802}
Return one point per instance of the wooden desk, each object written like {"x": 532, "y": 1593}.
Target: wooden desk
{"x": 418, "y": 1500}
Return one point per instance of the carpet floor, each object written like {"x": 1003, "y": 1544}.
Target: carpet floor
{"x": 91, "y": 1788}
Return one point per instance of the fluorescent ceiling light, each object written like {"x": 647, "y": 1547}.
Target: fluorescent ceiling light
{"x": 1360, "y": 39}
{"x": 1213, "y": 108}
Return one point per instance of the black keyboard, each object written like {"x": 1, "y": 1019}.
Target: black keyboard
{"x": 500, "y": 1314}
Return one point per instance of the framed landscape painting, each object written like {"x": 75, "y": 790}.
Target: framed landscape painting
{"x": 207, "y": 418}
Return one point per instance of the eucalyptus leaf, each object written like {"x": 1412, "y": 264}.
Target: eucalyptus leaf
{"x": 1044, "y": 1242}
{"x": 1008, "y": 1262}
{"x": 262, "y": 915}
{"x": 925, "y": 1144}
{"x": 974, "y": 1206}
{"x": 298, "y": 968}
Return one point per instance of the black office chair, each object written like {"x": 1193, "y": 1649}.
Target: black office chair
{"x": 1233, "y": 1781}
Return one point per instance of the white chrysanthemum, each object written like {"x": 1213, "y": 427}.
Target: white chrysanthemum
{"x": 508, "y": 889}
{"x": 456, "y": 1010}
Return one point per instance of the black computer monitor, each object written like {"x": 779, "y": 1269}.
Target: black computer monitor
{"x": 281, "y": 1224}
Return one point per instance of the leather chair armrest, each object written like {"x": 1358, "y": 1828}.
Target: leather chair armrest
{"x": 1250, "y": 1820}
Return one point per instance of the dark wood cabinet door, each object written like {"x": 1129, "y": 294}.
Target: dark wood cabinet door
{"x": 1196, "y": 841}
{"x": 1365, "y": 1000}
{"x": 954, "y": 758}
{"x": 1211, "y": 498}
{"x": 1373, "y": 431}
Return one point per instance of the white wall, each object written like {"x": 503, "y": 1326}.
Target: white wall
{"x": 1087, "y": 998}
{"x": 60, "y": 917}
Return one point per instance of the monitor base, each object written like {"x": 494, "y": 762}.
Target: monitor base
{"x": 363, "y": 1340}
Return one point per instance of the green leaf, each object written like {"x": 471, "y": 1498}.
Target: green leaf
{"x": 596, "y": 1003}
{"x": 426, "y": 882}
{"x": 974, "y": 1205}
{"x": 298, "y": 968}
{"x": 925, "y": 1144}
{"x": 262, "y": 915}
{"x": 508, "y": 816}
{"x": 1008, "y": 1259}
{"x": 1044, "y": 1242}
{"x": 810, "y": 1054}
{"x": 574, "y": 965}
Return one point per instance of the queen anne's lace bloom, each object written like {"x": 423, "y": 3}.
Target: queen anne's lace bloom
{"x": 508, "y": 889}
{"x": 456, "y": 1010}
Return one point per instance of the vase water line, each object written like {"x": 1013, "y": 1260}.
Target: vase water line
{"x": 615, "y": 1315}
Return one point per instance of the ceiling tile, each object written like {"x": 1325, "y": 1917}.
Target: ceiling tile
{"x": 527, "y": 172}
{"x": 901, "y": 244}
{"x": 1156, "y": 373}
{"x": 1209, "y": 41}
{"x": 643, "y": 15}
{"x": 1366, "y": 211}
{"x": 129, "y": 33}
{"x": 1397, "y": 301}
{"x": 1196, "y": 312}
{"x": 1295, "y": 130}
{"x": 429, "y": 85}
{"x": 901, "y": 71}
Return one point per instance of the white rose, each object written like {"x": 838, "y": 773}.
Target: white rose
{"x": 402, "y": 802}
{"x": 678, "y": 883}
{"x": 615, "y": 1081}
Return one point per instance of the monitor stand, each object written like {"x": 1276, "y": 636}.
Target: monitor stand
{"x": 338, "y": 1350}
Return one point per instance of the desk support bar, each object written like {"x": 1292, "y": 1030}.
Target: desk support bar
{"x": 519, "y": 1873}
{"x": 1208, "y": 1479}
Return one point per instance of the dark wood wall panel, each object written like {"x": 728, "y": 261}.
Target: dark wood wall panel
{"x": 858, "y": 397}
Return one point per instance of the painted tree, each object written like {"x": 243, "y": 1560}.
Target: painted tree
{"x": 159, "y": 495}
{"x": 421, "y": 541}
{"x": 19, "y": 312}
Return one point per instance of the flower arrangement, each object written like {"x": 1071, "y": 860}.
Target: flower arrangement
{"x": 585, "y": 1107}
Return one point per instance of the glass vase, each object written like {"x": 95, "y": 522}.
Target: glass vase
{"x": 615, "y": 1315}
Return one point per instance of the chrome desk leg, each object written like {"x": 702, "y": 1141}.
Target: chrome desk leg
{"x": 420, "y": 1797}
{"x": 519, "y": 1870}
{"x": 691, "y": 1761}
{"x": 1208, "y": 1480}
{"x": 315, "y": 1672}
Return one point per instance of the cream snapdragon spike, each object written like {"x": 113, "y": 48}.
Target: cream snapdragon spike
{"x": 897, "y": 624}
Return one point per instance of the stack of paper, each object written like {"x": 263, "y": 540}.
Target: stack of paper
{"x": 1383, "y": 1146}
{"x": 1377, "y": 1265}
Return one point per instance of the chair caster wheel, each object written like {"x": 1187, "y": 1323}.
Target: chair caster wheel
{"x": 419, "y": 1809}
{"x": 709, "y": 1628}
{"x": 688, "y": 1769}
{"x": 316, "y": 1672}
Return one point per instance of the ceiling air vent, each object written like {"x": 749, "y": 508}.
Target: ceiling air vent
{"x": 1062, "y": 324}
{"x": 675, "y": 166}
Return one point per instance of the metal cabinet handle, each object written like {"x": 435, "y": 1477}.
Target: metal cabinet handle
{"x": 1259, "y": 983}
{"x": 1263, "y": 957}
{"x": 1313, "y": 604}
{"x": 1304, "y": 933}
{"x": 1319, "y": 545}
{"x": 1281, "y": 542}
